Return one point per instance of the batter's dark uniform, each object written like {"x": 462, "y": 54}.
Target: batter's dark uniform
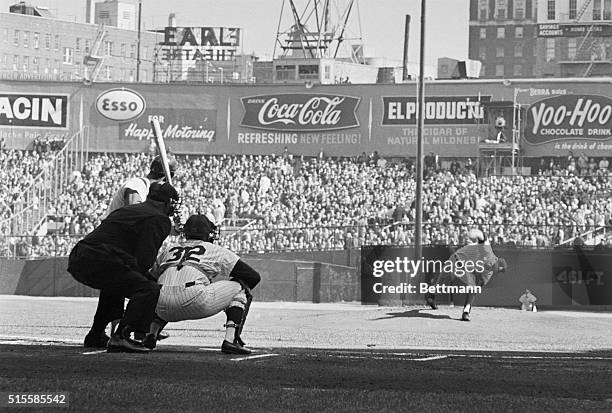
{"x": 115, "y": 258}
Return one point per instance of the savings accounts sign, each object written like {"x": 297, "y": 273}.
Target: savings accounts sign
{"x": 577, "y": 123}
{"x": 453, "y": 125}
{"x": 304, "y": 123}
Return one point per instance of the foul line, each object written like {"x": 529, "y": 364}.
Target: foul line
{"x": 259, "y": 356}
{"x": 87, "y": 353}
{"x": 430, "y": 358}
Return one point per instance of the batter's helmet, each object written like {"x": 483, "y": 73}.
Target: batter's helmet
{"x": 200, "y": 227}
{"x": 157, "y": 168}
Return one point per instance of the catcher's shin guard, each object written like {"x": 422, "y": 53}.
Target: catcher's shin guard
{"x": 249, "y": 297}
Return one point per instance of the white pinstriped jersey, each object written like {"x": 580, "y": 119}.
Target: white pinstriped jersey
{"x": 206, "y": 264}
{"x": 212, "y": 261}
{"x": 140, "y": 185}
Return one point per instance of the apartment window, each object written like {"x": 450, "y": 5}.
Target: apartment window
{"x": 68, "y": 55}
{"x": 327, "y": 72}
{"x": 16, "y": 38}
{"x": 132, "y": 51}
{"x": 47, "y": 41}
{"x": 15, "y": 62}
{"x": 500, "y": 9}
{"x": 131, "y": 78}
{"x": 550, "y": 50}
{"x": 482, "y": 52}
{"x": 87, "y": 45}
{"x": 519, "y": 9}
{"x": 572, "y": 9}
{"x": 518, "y": 50}
{"x": 572, "y": 47}
{"x": 596, "y": 9}
{"x": 483, "y": 32}
{"x": 57, "y": 42}
{"x": 123, "y": 50}
{"x": 501, "y": 32}
{"x": 518, "y": 32}
{"x": 607, "y": 10}
{"x": 26, "y": 39}
{"x": 78, "y": 44}
{"x": 5, "y": 34}
{"x": 108, "y": 49}
{"x": 126, "y": 15}
{"x": 551, "y": 11}
{"x": 144, "y": 76}
{"x": 499, "y": 70}
{"x": 308, "y": 71}
{"x": 145, "y": 52}
{"x": 104, "y": 14}
{"x": 107, "y": 72}
{"x": 285, "y": 72}
{"x": 483, "y": 9}
{"x": 26, "y": 63}
{"x": 499, "y": 51}
{"x": 517, "y": 70}
{"x": 36, "y": 40}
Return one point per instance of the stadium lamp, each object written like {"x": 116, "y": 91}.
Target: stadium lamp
{"x": 506, "y": 82}
{"x": 309, "y": 84}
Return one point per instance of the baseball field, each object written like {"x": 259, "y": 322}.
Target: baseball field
{"x": 315, "y": 358}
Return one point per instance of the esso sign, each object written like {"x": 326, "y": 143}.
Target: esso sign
{"x": 120, "y": 104}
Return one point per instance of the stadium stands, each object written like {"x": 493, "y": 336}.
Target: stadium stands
{"x": 292, "y": 203}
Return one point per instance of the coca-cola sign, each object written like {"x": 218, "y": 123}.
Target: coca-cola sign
{"x": 300, "y": 112}
{"x": 569, "y": 117}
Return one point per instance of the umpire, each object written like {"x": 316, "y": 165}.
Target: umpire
{"x": 115, "y": 258}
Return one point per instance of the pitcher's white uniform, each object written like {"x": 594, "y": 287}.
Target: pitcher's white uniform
{"x": 195, "y": 281}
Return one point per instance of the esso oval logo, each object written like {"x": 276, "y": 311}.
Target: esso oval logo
{"x": 120, "y": 104}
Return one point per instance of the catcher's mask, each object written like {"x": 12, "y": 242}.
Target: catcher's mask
{"x": 200, "y": 227}
{"x": 165, "y": 193}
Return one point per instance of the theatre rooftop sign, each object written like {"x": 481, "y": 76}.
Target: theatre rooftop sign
{"x": 199, "y": 43}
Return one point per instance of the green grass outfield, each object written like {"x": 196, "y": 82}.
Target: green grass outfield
{"x": 319, "y": 357}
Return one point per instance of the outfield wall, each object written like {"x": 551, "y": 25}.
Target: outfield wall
{"x": 557, "y": 278}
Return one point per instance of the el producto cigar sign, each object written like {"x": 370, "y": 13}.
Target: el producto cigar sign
{"x": 569, "y": 117}
{"x": 300, "y": 112}
{"x": 34, "y": 110}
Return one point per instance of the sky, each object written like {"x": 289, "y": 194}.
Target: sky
{"x": 381, "y": 21}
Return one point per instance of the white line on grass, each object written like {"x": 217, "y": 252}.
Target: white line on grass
{"x": 87, "y": 353}
{"x": 430, "y": 358}
{"x": 259, "y": 356}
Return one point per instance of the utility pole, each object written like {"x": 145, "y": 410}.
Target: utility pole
{"x": 138, "y": 41}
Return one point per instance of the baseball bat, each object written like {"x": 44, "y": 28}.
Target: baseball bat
{"x": 161, "y": 147}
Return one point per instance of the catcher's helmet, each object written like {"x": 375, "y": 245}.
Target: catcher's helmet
{"x": 200, "y": 227}
{"x": 157, "y": 168}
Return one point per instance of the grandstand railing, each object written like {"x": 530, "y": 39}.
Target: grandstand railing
{"x": 277, "y": 239}
{"x": 34, "y": 203}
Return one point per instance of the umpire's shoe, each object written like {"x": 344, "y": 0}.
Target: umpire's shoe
{"x": 96, "y": 340}
{"x": 150, "y": 341}
{"x": 465, "y": 316}
{"x": 121, "y": 343}
{"x": 234, "y": 348}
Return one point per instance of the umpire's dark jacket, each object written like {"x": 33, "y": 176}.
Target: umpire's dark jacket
{"x": 129, "y": 237}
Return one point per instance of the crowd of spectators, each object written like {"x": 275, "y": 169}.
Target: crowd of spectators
{"x": 294, "y": 203}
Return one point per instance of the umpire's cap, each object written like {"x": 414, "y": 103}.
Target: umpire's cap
{"x": 200, "y": 227}
{"x": 157, "y": 168}
{"x": 163, "y": 193}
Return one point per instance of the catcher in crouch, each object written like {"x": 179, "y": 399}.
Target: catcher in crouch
{"x": 477, "y": 250}
{"x": 200, "y": 279}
